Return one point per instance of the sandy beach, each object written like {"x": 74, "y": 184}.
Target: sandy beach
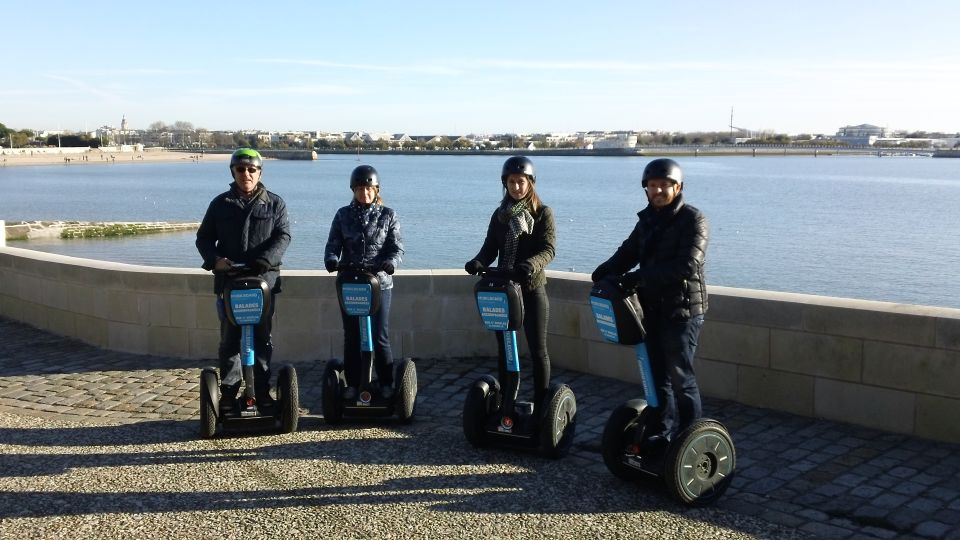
{"x": 72, "y": 156}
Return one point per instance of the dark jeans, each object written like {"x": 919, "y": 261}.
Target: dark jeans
{"x": 383, "y": 355}
{"x": 536, "y": 313}
{"x": 671, "y": 346}
{"x": 231, "y": 370}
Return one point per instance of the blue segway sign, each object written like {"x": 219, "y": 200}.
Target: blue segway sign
{"x": 494, "y": 310}
{"x": 357, "y": 298}
{"x": 606, "y": 322}
{"x": 246, "y": 306}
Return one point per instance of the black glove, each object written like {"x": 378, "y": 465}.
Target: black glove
{"x": 473, "y": 267}
{"x": 388, "y": 267}
{"x": 330, "y": 265}
{"x": 601, "y": 272}
{"x": 260, "y": 266}
{"x": 523, "y": 270}
{"x": 631, "y": 281}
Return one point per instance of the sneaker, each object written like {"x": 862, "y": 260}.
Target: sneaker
{"x": 350, "y": 393}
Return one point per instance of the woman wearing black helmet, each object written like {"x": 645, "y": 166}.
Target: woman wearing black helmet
{"x": 521, "y": 237}
{"x": 366, "y": 234}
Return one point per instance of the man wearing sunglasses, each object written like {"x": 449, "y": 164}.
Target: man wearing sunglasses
{"x": 246, "y": 225}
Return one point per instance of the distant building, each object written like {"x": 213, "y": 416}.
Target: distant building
{"x": 864, "y": 134}
{"x": 619, "y": 140}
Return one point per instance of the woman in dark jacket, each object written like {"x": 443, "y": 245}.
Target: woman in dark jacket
{"x": 366, "y": 234}
{"x": 521, "y": 237}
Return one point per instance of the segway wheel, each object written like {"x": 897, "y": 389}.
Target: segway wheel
{"x": 331, "y": 401}
{"x": 620, "y": 436}
{"x": 288, "y": 397}
{"x": 478, "y": 405}
{"x": 558, "y": 424}
{"x": 407, "y": 390}
{"x": 209, "y": 397}
{"x": 700, "y": 463}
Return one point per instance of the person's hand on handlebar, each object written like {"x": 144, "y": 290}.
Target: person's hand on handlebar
{"x": 330, "y": 265}
{"x": 473, "y": 267}
{"x": 223, "y": 264}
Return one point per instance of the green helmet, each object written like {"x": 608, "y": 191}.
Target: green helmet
{"x": 246, "y": 156}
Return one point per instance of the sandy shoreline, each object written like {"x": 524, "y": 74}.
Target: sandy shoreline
{"x": 95, "y": 156}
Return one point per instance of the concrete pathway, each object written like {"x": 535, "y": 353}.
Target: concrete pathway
{"x": 107, "y": 443}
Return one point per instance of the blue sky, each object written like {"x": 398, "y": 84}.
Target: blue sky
{"x": 482, "y": 67}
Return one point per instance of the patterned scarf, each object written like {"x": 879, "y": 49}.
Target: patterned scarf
{"x": 365, "y": 215}
{"x": 519, "y": 221}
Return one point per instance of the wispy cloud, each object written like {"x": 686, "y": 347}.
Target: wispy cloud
{"x": 416, "y": 68}
{"x": 83, "y": 86}
{"x": 604, "y": 65}
{"x": 297, "y": 90}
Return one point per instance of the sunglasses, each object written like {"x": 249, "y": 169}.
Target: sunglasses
{"x": 251, "y": 170}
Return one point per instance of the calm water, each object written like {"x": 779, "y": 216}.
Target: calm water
{"x": 858, "y": 227}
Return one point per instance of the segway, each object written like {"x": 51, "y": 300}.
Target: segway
{"x": 245, "y": 300}
{"x": 358, "y": 291}
{"x": 492, "y": 415}
{"x": 697, "y": 465}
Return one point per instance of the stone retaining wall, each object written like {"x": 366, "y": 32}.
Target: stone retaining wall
{"x": 887, "y": 366}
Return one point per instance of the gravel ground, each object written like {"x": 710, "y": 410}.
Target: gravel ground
{"x": 91, "y": 479}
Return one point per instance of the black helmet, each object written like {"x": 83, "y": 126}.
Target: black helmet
{"x": 364, "y": 175}
{"x": 662, "y": 168}
{"x": 246, "y": 156}
{"x": 517, "y": 165}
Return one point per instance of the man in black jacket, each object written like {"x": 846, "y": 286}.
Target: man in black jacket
{"x": 246, "y": 225}
{"x": 668, "y": 247}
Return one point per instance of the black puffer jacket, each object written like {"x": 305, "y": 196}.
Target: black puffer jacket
{"x": 244, "y": 233}
{"x": 536, "y": 248}
{"x": 669, "y": 248}
{"x": 379, "y": 242}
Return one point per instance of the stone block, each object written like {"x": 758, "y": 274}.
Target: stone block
{"x": 948, "y": 333}
{"x": 735, "y": 343}
{"x": 183, "y": 311}
{"x": 412, "y": 284}
{"x": 870, "y": 324}
{"x": 565, "y": 318}
{"x": 56, "y": 294}
{"x": 126, "y": 307}
{"x": 418, "y": 313}
{"x": 298, "y": 346}
{"x": 159, "y": 310}
{"x": 816, "y": 354}
{"x": 466, "y": 343}
{"x": 768, "y": 312}
{"x": 717, "y": 379}
{"x": 127, "y": 337}
{"x": 569, "y": 286}
{"x": 425, "y": 343}
{"x": 34, "y": 314}
{"x": 92, "y": 330}
{"x": 166, "y": 341}
{"x": 204, "y": 343}
{"x": 937, "y": 418}
{"x": 84, "y": 300}
{"x": 919, "y": 369}
{"x": 61, "y": 322}
{"x": 30, "y": 288}
{"x": 8, "y": 281}
{"x": 587, "y": 324}
{"x": 458, "y": 313}
{"x": 612, "y": 360}
{"x": 10, "y": 307}
{"x": 568, "y": 352}
{"x": 205, "y": 306}
{"x": 455, "y": 283}
{"x": 880, "y": 408}
{"x": 312, "y": 285}
{"x": 155, "y": 280}
{"x": 778, "y": 390}
{"x": 297, "y": 314}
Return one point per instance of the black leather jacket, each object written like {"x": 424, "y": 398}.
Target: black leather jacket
{"x": 244, "y": 233}
{"x": 350, "y": 242}
{"x": 669, "y": 249}
{"x": 537, "y": 248}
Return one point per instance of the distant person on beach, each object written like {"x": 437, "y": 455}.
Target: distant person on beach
{"x": 521, "y": 237}
{"x": 245, "y": 225}
{"x": 667, "y": 248}
{"x": 366, "y": 234}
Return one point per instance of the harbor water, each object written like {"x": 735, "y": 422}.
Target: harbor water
{"x": 857, "y": 227}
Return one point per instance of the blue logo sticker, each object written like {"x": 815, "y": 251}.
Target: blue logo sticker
{"x": 512, "y": 354}
{"x": 357, "y": 298}
{"x": 246, "y": 306}
{"x": 606, "y": 321}
{"x": 646, "y": 375}
{"x": 494, "y": 310}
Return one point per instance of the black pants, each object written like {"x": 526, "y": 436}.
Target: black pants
{"x": 383, "y": 355}
{"x": 231, "y": 370}
{"x": 536, "y": 313}
{"x": 672, "y": 346}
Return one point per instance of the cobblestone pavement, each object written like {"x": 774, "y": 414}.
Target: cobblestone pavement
{"x": 804, "y": 477}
